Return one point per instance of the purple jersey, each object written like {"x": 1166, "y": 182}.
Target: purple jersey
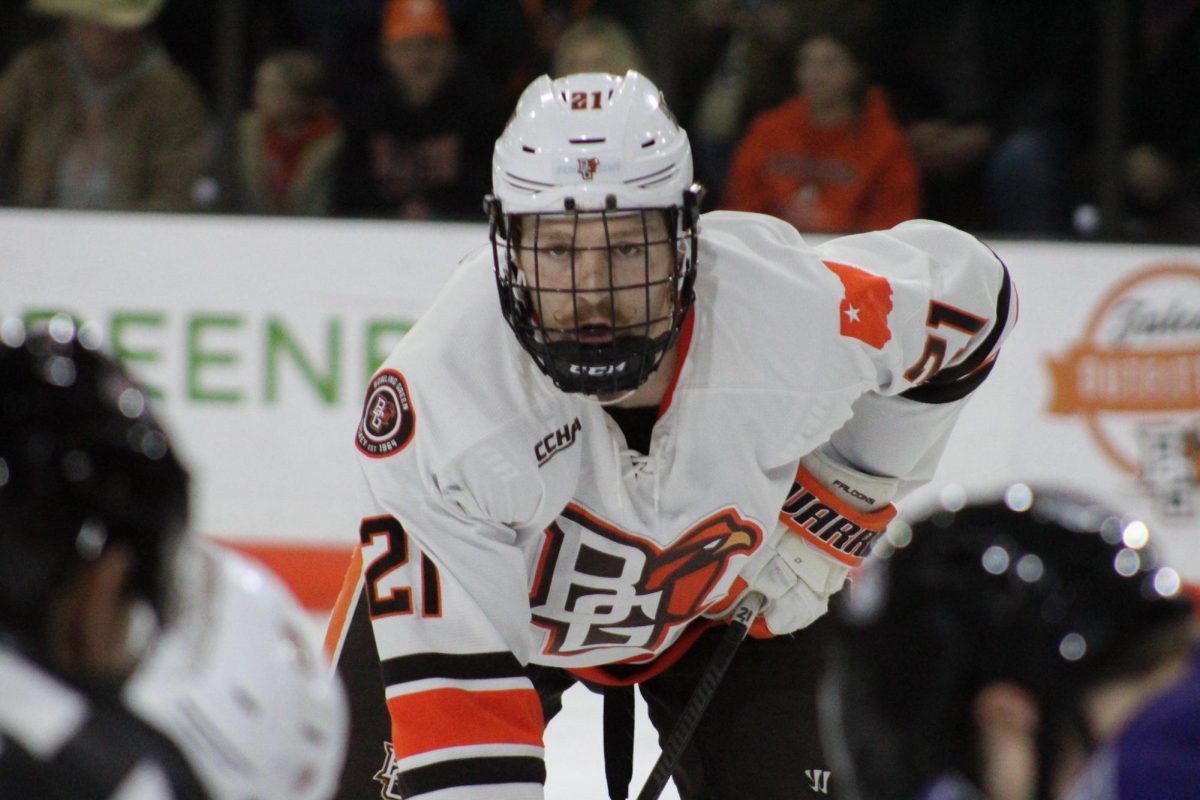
{"x": 1156, "y": 756}
{"x": 1158, "y": 753}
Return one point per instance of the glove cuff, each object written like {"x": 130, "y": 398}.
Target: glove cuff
{"x": 826, "y": 519}
{"x": 854, "y": 488}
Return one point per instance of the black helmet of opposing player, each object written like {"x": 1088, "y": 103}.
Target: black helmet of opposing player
{"x": 1046, "y": 591}
{"x": 593, "y": 228}
{"x": 83, "y": 464}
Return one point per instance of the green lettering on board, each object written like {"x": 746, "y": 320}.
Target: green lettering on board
{"x": 200, "y": 359}
{"x": 280, "y": 342}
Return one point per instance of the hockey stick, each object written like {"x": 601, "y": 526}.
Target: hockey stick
{"x": 685, "y": 726}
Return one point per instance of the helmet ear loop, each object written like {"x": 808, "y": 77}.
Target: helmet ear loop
{"x": 686, "y": 246}
{"x": 516, "y": 286}
{"x": 688, "y": 225}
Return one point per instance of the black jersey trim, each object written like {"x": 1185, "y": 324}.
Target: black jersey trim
{"x": 637, "y": 424}
{"x": 95, "y": 762}
{"x": 955, "y": 383}
{"x": 472, "y": 772}
{"x": 475, "y": 666}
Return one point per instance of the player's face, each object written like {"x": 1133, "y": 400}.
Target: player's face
{"x": 597, "y": 277}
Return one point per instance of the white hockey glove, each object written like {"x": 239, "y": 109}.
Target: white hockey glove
{"x": 833, "y": 514}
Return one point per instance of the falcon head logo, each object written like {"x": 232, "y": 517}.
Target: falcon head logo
{"x": 694, "y": 564}
{"x": 598, "y": 585}
{"x": 588, "y": 167}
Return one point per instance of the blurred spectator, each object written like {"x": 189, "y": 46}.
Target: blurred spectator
{"x": 514, "y": 41}
{"x": 597, "y": 44}
{"x": 748, "y": 58}
{"x": 99, "y": 117}
{"x": 985, "y": 90}
{"x": 418, "y": 144}
{"x": 20, "y": 28}
{"x": 345, "y": 34}
{"x": 1162, "y": 165}
{"x": 733, "y": 59}
{"x": 833, "y": 158}
{"x": 289, "y": 141}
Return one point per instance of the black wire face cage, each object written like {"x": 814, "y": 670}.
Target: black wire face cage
{"x": 597, "y": 298}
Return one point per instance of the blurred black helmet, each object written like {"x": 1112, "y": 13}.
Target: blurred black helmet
{"x": 82, "y": 464}
{"x": 1045, "y": 596}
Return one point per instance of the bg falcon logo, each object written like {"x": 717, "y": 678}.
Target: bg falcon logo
{"x": 598, "y": 586}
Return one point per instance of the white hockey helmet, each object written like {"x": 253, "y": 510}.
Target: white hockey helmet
{"x": 241, "y": 685}
{"x": 592, "y": 144}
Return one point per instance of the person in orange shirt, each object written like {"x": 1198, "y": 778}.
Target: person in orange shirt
{"x": 832, "y": 158}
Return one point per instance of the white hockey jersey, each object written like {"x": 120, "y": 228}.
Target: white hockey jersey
{"x": 507, "y": 522}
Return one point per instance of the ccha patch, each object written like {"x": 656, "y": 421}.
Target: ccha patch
{"x": 388, "y": 420}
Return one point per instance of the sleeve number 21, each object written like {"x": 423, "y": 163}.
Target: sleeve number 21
{"x": 384, "y": 598}
{"x": 941, "y": 315}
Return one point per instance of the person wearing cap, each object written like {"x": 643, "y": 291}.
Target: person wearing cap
{"x": 98, "y": 116}
{"x": 418, "y": 140}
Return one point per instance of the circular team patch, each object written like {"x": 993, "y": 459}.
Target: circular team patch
{"x": 388, "y": 421}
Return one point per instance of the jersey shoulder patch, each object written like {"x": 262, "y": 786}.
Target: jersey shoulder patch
{"x": 865, "y": 306}
{"x": 388, "y": 418}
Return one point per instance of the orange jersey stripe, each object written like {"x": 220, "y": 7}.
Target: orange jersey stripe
{"x": 340, "y": 617}
{"x": 441, "y": 718}
{"x": 681, "y": 351}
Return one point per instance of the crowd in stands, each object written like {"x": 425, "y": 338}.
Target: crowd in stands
{"x": 835, "y": 115}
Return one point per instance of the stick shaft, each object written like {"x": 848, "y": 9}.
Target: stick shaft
{"x": 706, "y": 687}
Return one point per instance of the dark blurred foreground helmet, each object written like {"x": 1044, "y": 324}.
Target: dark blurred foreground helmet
{"x": 83, "y": 464}
{"x": 1043, "y": 591}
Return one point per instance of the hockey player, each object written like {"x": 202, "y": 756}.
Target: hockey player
{"x": 988, "y": 658}
{"x": 663, "y": 412}
{"x": 240, "y": 683}
{"x": 111, "y": 614}
{"x": 92, "y": 509}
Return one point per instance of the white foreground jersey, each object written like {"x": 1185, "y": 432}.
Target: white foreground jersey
{"x": 506, "y": 522}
